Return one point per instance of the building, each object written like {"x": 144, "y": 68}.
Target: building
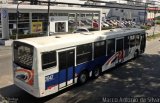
{"x": 60, "y": 15}
{"x": 34, "y": 18}
{"x": 152, "y": 12}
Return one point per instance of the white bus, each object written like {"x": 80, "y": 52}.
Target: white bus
{"x": 46, "y": 65}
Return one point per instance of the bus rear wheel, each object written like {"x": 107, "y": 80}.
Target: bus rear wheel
{"x": 96, "y": 72}
{"x": 83, "y": 77}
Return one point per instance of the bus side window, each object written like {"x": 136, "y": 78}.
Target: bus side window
{"x": 143, "y": 42}
{"x": 126, "y": 42}
{"x": 99, "y": 49}
{"x": 137, "y": 39}
{"x": 132, "y": 41}
{"x": 84, "y": 53}
{"x": 48, "y": 59}
{"x": 110, "y": 47}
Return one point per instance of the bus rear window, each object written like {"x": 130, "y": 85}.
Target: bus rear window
{"x": 23, "y": 55}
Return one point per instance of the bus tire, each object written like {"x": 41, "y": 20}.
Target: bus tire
{"x": 96, "y": 72}
{"x": 83, "y": 77}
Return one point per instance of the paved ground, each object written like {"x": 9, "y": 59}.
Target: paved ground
{"x": 137, "y": 78}
{"x": 5, "y": 66}
{"x": 154, "y": 29}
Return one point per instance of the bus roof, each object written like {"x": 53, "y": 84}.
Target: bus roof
{"x": 68, "y": 40}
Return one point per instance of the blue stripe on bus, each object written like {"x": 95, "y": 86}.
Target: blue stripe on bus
{"x": 70, "y": 73}
{"x": 61, "y": 76}
{"x": 51, "y": 80}
{"x": 90, "y": 65}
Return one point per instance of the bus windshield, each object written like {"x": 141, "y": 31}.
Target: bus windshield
{"x": 23, "y": 55}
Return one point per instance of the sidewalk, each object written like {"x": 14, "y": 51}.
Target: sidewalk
{"x": 6, "y": 42}
{"x": 3, "y": 47}
{"x": 5, "y": 51}
{"x": 157, "y": 30}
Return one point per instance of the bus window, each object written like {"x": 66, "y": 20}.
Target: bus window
{"x": 48, "y": 59}
{"x": 66, "y": 59}
{"x": 99, "y": 49}
{"x": 62, "y": 61}
{"x": 84, "y": 53}
{"x": 132, "y": 41}
{"x": 143, "y": 43}
{"x": 119, "y": 45}
{"x": 126, "y": 42}
{"x": 137, "y": 39}
{"x": 126, "y": 45}
{"x": 110, "y": 47}
{"x": 23, "y": 55}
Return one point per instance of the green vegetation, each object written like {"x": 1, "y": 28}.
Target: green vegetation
{"x": 158, "y": 17}
{"x": 158, "y": 22}
{"x": 21, "y": 36}
{"x": 145, "y": 27}
{"x": 93, "y": 29}
{"x": 153, "y": 37}
{"x": 70, "y": 30}
{"x": 106, "y": 28}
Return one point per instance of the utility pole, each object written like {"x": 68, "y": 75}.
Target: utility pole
{"x": 156, "y": 9}
{"x": 145, "y": 13}
{"x": 48, "y": 28}
{"x": 17, "y": 19}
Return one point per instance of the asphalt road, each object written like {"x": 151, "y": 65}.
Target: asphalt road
{"x": 137, "y": 78}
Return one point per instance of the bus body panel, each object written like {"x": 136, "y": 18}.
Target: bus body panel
{"x": 101, "y": 61}
{"x": 26, "y": 78}
{"x": 60, "y": 76}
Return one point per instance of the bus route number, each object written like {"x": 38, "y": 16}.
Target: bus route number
{"x": 49, "y": 78}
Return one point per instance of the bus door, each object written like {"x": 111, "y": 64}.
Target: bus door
{"x": 66, "y": 67}
{"x": 143, "y": 43}
{"x": 120, "y": 50}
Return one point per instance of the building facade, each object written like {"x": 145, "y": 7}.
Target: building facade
{"x": 34, "y": 19}
{"x": 33, "y": 15}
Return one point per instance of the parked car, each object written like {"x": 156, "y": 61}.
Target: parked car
{"x": 150, "y": 23}
{"x": 95, "y": 24}
{"x": 104, "y": 24}
{"x": 71, "y": 23}
{"x": 79, "y": 30}
{"x": 89, "y": 21}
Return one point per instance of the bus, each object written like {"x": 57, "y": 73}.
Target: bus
{"x": 46, "y": 65}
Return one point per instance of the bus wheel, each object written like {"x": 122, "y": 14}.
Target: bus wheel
{"x": 83, "y": 77}
{"x": 96, "y": 72}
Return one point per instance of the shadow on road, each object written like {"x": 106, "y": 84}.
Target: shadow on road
{"x": 137, "y": 78}
{"x": 13, "y": 91}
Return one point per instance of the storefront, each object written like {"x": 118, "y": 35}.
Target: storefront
{"x": 152, "y": 13}
{"x": 34, "y": 19}
{"x": 59, "y": 22}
